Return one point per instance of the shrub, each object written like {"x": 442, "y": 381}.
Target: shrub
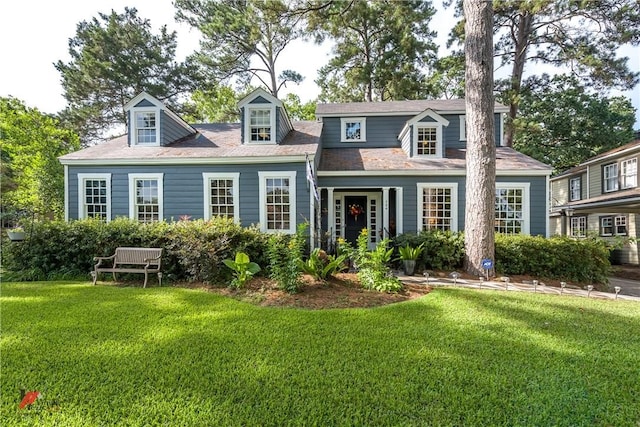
{"x": 322, "y": 266}
{"x": 285, "y": 257}
{"x": 443, "y": 250}
{"x": 558, "y": 257}
{"x": 373, "y": 269}
{"x": 242, "y": 268}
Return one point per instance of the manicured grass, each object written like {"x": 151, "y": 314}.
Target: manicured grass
{"x": 165, "y": 356}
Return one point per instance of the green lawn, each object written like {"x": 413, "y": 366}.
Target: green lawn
{"x": 107, "y": 355}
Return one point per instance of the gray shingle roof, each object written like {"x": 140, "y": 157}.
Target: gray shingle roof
{"x": 219, "y": 140}
{"x": 395, "y": 159}
{"x": 395, "y": 107}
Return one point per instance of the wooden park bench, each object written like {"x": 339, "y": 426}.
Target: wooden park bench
{"x": 130, "y": 260}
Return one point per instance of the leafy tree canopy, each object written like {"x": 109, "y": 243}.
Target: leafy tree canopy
{"x": 562, "y": 124}
{"x": 243, "y": 39}
{"x": 30, "y": 144}
{"x": 381, "y": 48}
{"x": 298, "y": 110}
{"x": 114, "y": 57}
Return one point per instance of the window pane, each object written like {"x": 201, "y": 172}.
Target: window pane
{"x": 221, "y": 201}
{"x": 146, "y": 127}
{"x": 260, "y": 125}
{"x": 147, "y": 200}
{"x": 509, "y": 210}
{"x": 278, "y": 206}
{"x": 353, "y": 131}
{"x": 436, "y": 208}
{"x": 427, "y": 141}
{"x": 95, "y": 199}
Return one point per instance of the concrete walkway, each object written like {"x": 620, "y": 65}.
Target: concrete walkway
{"x": 629, "y": 289}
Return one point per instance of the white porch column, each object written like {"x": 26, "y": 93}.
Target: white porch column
{"x": 385, "y": 212}
{"x": 331, "y": 215}
{"x": 399, "y": 222}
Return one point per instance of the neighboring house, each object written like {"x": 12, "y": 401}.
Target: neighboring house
{"x": 600, "y": 197}
{"x": 392, "y": 167}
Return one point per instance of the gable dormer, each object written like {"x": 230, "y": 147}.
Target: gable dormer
{"x": 152, "y": 124}
{"x": 422, "y": 136}
{"x": 264, "y": 119}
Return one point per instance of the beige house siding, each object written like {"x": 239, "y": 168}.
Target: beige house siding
{"x": 595, "y": 179}
{"x": 560, "y": 192}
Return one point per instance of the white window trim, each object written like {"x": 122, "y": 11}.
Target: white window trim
{"x": 604, "y": 178}
{"x": 453, "y": 186}
{"x": 463, "y": 127}
{"x": 526, "y": 201}
{"x": 206, "y": 181}
{"x": 134, "y": 126}
{"x": 602, "y": 227}
{"x": 428, "y": 125}
{"x": 571, "y": 188}
{"x": 247, "y": 122}
{"x": 363, "y": 128}
{"x": 624, "y": 174}
{"x": 578, "y": 220}
{"x": 82, "y": 177}
{"x": 262, "y": 176}
{"x": 132, "y": 193}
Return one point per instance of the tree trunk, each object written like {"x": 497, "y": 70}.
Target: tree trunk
{"x": 481, "y": 145}
{"x": 521, "y": 43}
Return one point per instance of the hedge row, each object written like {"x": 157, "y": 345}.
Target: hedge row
{"x": 194, "y": 250}
{"x": 559, "y": 257}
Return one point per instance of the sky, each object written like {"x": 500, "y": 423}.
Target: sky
{"x": 34, "y": 34}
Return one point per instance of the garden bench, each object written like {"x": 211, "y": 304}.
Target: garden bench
{"x": 131, "y": 260}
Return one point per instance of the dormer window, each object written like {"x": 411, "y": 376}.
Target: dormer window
{"x": 260, "y": 123}
{"x": 353, "y": 129}
{"x": 146, "y": 127}
{"x": 428, "y": 140}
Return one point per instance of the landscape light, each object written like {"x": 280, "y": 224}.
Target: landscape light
{"x": 535, "y": 286}
{"x": 589, "y": 289}
{"x": 455, "y": 276}
{"x": 562, "y": 286}
{"x": 617, "y": 289}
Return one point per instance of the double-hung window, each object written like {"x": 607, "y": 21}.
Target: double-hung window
{"x": 94, "y": 196}
{"x": 146, "y": 127}
{"x": 574, "y": 189}
{"x": 221, "y": 195}
{"x": 629, "y": 173}
{"x": 610, "y": 177}
{"x": 427, "y": 143}
{"x": 614, "y": 225}
{"x": 578, "y": 226}
{"x": 260, "y": 128}
{"x": 438, "y": 206}
{"x": 512, "y": 208}
{"x": 353, "y": 129}
{"x": 145, "y": 197}
{"x": 278, "y": 201}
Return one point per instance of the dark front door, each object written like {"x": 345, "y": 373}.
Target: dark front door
{"x": 355, "y": 217}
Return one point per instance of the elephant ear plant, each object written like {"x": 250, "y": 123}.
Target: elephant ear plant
{"x": 243, "y": 269}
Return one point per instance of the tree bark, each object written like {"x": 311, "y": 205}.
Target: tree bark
{"x": 481, "y": 145}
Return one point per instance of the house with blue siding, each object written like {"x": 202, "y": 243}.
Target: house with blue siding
{"x": 391, "y": 167}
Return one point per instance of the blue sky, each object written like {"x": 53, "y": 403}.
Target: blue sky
{"x": 35, "y": 34}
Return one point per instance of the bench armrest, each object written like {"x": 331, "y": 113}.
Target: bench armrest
{"x": 102, "y": 258}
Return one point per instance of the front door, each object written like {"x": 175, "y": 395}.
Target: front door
{"x": 355, "y": 217}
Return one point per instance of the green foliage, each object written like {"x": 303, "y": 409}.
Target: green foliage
{"x": 410, "y": 253}
{"x": 443, "y": 250}
{"x": 381, "y": 49}
{"x": 321, "y": 266}
{"x": 447, "y": 79}
{"x": 235, "y": 33}
{"x": 243, "y": 269}
{"x": 373, "y": 269}
{"x": 597, "y": 123}
{"x": 285, "y": 258}
{"x": 30, "y": 144}
{"x": 194, "y": 250}
{"x": 215, "y": 105}
{"x": 560, "y": 257}
{"x": 114, "y": 57}
{"x": 297, "y": 110}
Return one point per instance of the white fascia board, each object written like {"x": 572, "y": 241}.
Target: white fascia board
{"x": 400, "y": 113}
{"x": 143, "y": 95}
{"x": 435, "y": 172}
{"x": 618, "y": 154}
{"x": 189, "y": 161}
{"x": 259, "y": 92}
{"x": 429, "y": 112}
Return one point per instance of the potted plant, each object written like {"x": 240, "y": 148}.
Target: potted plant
{"x": 16, "y": 234}
{"x": 409, "y": 255}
